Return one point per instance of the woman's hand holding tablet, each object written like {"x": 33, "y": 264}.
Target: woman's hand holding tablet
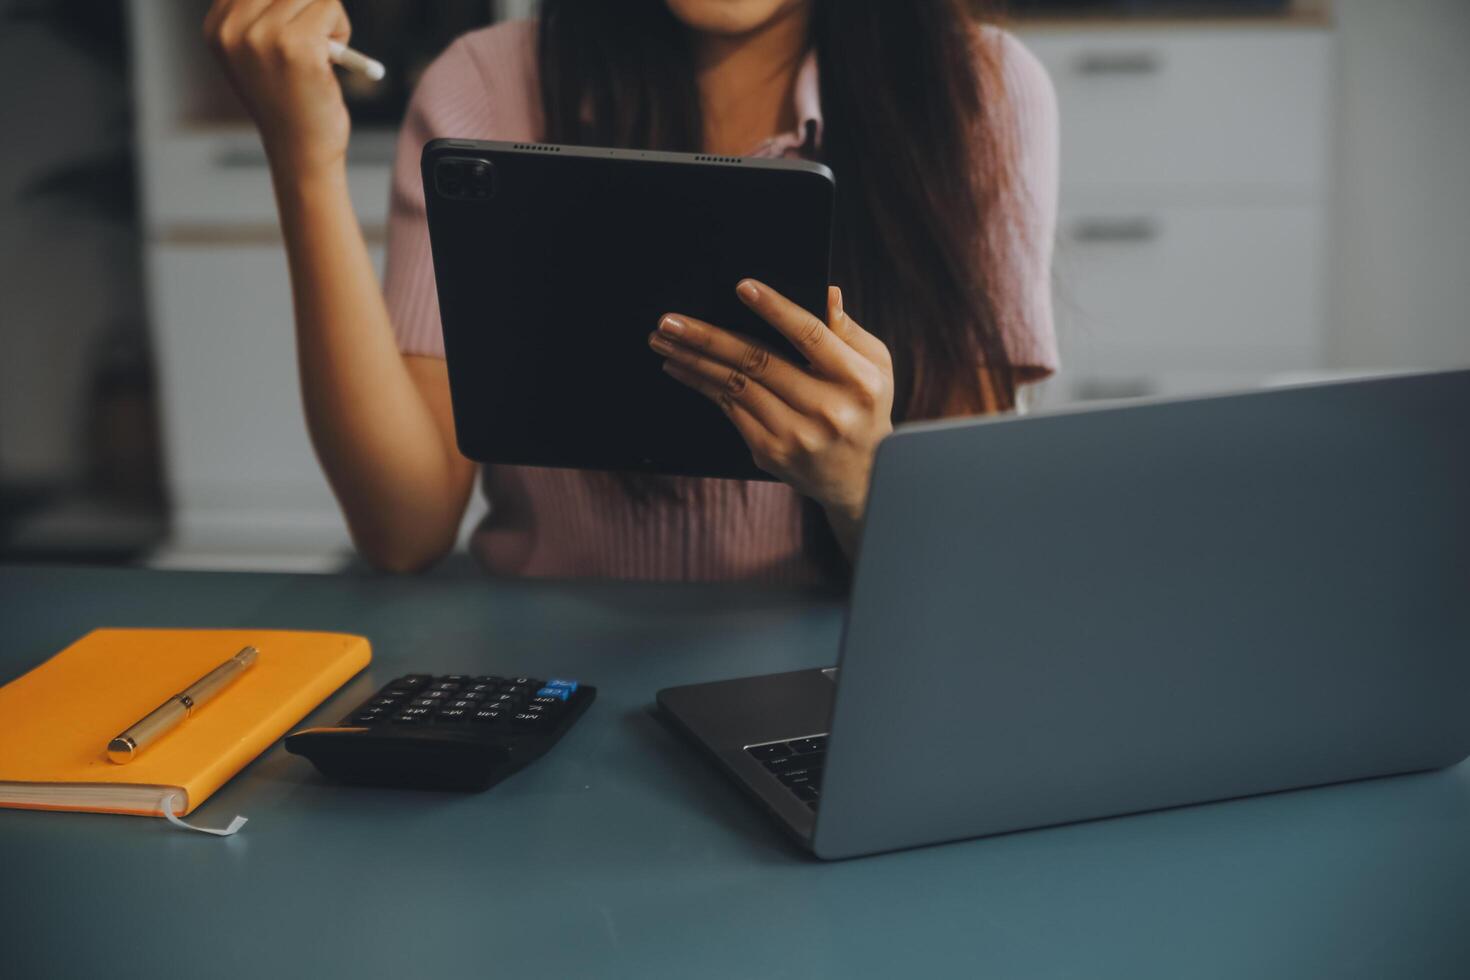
{"x": 551, "y": 264}
{"x": 814, "y": 426}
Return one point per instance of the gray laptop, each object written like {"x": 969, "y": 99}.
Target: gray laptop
{"x": 1105, "y": 611}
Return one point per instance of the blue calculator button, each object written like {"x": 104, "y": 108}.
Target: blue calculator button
{"x": 571, "y": 686}
{"x": 560, "y": 693}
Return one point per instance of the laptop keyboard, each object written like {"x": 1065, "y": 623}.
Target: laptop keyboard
{"x": 797, "y": 762}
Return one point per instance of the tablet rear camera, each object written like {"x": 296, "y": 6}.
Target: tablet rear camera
{"x": 465, "y": 178}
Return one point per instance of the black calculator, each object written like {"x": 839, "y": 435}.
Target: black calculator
{"x": 449, "y": 731}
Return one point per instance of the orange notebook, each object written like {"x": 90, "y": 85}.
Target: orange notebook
{"x": 59, "y": 717}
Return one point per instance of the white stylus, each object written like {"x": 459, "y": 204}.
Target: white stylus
{"x": 356, "y": 61}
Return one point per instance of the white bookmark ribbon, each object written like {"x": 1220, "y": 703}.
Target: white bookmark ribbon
{"x": 172, "y": 799}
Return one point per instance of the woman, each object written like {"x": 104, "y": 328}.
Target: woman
{"x": 942, "y": 137}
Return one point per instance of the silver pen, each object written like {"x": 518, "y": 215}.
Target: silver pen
{"x": 162, "y": 719}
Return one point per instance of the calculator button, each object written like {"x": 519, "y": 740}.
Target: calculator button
{"x": 453, "y": 714}
{"x": 502, "y": 698}
{"x": 571, "y": 686}
{"x": 461, "y": 704}
{"x": 435, "y": 695}
{"x": 776, "y": 750}
{"x": 442, "y": 686}
{"x": 527, "y": 720}
{"x": 490, "y": 679}
{"x": 413, "y": 680}
{"x": 369, "y": 717}
{"x": 411, "y": 716}
{"x": 546, "y": 704}
{"x": 481, "y": 687}
{"x": 527, "y": 682}
{"x": 553, "y": 694}
{"x": 489, "y": 716}
{"x": 455, "y": 679}
{"x": 515, "y": 689}
{"x": 383, "y": 702}
{"x": 470, "y": 696}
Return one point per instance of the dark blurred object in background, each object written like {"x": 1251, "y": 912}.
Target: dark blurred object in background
{"x": 123, "y": 453}
{"x": 1147, "y": 8}
{"x": 405, "y": 36}
{"x": 98, "y": 496}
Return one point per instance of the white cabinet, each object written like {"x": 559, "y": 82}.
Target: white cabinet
{"x": 1192, "y": 236}
{"x": 1233, "y": 287}
{"x": 1170, "y": 111}
{"x": 243, "y": 478}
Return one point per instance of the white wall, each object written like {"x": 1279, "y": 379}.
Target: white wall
{"x": 1400, "y": 284}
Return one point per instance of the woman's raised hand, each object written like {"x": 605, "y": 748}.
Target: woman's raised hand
{"x": 275, "y": 52}
{"x": 814, "y": 425}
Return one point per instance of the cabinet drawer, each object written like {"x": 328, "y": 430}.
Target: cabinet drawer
{"x": 234, "y": 432}
{"x": 1218, "y": 109}
{"x": 219, "y": 178}
{"x": 1190, "y": 288}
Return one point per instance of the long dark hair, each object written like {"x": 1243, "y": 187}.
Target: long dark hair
{"x": 912, "y": 128}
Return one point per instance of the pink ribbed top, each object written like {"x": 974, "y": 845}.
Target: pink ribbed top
{"x": 545, "y": 522}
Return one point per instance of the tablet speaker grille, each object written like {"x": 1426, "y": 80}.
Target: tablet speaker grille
{"x": 706, "y": 158}
{"x": 539, "y": 148}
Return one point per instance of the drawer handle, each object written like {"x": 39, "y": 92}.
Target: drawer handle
{"x": 1119, "y": 63}
{"x": 1093, "y": 231}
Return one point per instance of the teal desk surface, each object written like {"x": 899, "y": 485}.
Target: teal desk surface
{"x": 621, "y": 854}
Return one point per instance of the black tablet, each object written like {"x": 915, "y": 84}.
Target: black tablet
{"x": 554, "y": 263}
